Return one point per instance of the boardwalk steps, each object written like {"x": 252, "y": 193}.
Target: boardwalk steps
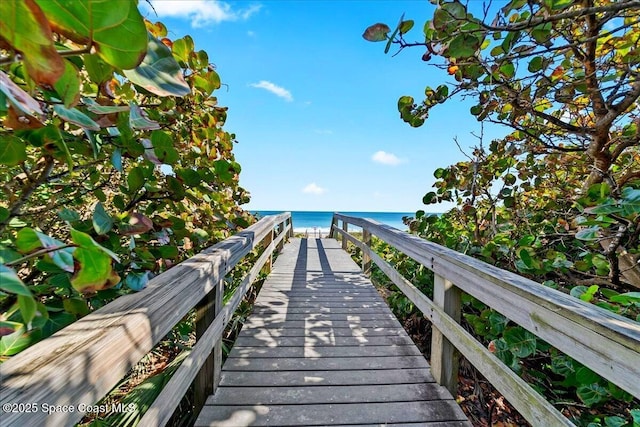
{"x": 322, "y": 348}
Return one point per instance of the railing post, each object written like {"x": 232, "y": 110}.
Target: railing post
{"x": 334, "y": 224}
{"x": 265, "y": 243}
{"x": 366, "y": 259}
{"x": 444, "y": 359}
{"x": 281, "y": 227}
{"x": 345, "y": 227}
{"x": 217, "y": 349}
{"x": 203, "y": 383}
{"x": 290, "y": 222}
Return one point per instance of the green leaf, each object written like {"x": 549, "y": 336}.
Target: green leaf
{"x": 14, "y": 343}
{"x": 77, "y": 117}
{"x": 25, "y": 28}
{"x": 77, "y": 306}
{"x": 102, "y": 222}
{"x": 96, "y": 108}
{"x": 182, "y": 49}
{"x": 190, "y": 177}
{"x": 159, "y": 73}
{"x": 463, "y": 46}
{"x": 376, "y": 32}
{"x": 137, "y": 281}
{"x": 13, "y": 150}
{"x": 536, "y": 64}
{"x": 592, "y": 394}
{"x": 167, "y": 252}
{"x": 98, "y": 70}
{"x": 626, "y": 298}
{"x": 117, "y": 33}
{"x": 525, "y": 256}
{"x": 68, "y": 215}
{"x": 28, "y": 307}
{"x": 522, "y": 343}
{"x": 116, "y": 159}
{"x": 11, "y": 283}
{"x": 588, "y": 234}
{"x": 135, "y": 180}
{"x": 8, "y": 255}
{"x": 560, "y": 4}
{"x": 27, "y": 240}
{"x": 56, "y": 322}
{"x": 406, "y": 26}
{"x": 614, "y": 421}
{"x": 4, "y": 214}
{"x": 68, "y": 85}
{"x": 207, "y": 82}
{"x": 586, "y": 376}
{"x": 163, "y": 147}
{"x": 635, "y": 414}
{"x": 83, "y": 240}
{"x": 542, "y": 33}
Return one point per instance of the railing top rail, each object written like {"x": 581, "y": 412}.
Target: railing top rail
{"x": 429, "y": 253}
{"x": 84, "y": 361}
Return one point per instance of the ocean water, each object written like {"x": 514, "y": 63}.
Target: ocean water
{"x": 320, "y": 222}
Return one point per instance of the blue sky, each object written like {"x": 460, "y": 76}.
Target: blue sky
{"x": 313, "y": 105}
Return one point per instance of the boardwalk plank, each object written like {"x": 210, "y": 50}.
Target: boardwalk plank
{"x": 328, "y": 394}
{"x": 314, "y": 352}
{"x": 347, "y": 413}
{"x": 321, "y": 347}
{"x": 333, "y": 378}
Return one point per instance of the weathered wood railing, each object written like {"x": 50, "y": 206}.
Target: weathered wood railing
{"x": 77, "y": 366}
{"x": 603, "y": 341}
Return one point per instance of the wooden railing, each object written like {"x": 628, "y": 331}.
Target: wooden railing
{"x": 603, "y": 341}
{"x": 74, "y": 368}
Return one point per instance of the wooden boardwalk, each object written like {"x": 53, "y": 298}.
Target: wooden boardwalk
{"x": 322, "y": 348}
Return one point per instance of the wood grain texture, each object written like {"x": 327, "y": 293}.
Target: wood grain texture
{"x": 322, "y": 348}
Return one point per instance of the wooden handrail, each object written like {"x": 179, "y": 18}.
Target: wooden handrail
{"x": 605, "y": 342}
{"x": 80, "y": 364}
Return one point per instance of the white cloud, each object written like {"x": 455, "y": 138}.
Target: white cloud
{"x": 251, "y": 33}
{"x": 201, "y": 13}
{"x": 275, "y": 89}
{"x": 386, "y": 158}
{"x": 314, "y": 188}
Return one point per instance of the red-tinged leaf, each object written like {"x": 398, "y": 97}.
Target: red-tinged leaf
{"x": 94, "y": 271}
{"x": 18, "y": 97}
{"x": 376, "y": 32}
{"x": 17, "y": 120}
{"x": 117, "y": 32}
{"x": 158, "y": 29}
{"x": 138, "y": 224}
{"x": 557, "y": 73}
{"x": 26, "y": 29}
